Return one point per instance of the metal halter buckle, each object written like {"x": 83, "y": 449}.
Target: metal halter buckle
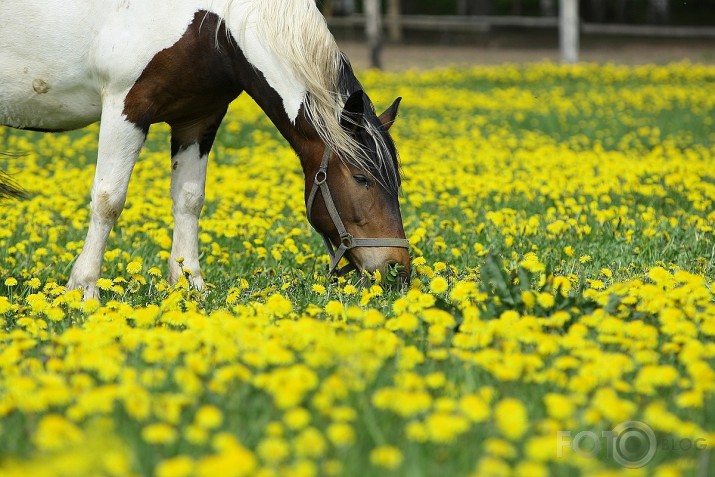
{"x": 347, "y": 241}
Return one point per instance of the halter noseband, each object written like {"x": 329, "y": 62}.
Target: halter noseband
{"x": 347, "y": 241}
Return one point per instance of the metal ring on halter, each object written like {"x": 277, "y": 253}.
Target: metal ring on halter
{"x": 321, "y": 176}
{"x": 347, "y": 241}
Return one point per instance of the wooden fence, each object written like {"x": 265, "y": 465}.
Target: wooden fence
{"x": 482, "y": 24}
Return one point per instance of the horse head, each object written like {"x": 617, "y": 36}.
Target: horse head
{"x": 353, "y": 201}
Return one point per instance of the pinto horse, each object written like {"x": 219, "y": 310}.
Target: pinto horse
{"x": 132, "y": 63}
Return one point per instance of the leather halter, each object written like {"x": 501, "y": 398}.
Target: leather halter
{"x": 347, "y": 241}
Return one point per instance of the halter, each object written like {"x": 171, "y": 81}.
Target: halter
{"x": 347, "y": 241}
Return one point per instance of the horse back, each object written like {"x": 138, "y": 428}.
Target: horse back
{"x": 60, "y": 59}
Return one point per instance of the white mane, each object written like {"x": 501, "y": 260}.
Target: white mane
{"x": 295, "y": 32}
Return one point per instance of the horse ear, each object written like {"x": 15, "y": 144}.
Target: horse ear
{"x": 390, "y": 114}
{"x": 353, "y": 111}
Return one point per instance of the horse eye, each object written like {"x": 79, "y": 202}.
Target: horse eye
{"x": 362, "y": 180}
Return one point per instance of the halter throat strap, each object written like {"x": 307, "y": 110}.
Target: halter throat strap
{"x": 347, "y": 241}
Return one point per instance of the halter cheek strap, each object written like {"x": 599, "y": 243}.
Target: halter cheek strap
{"x": 347, "y": 241}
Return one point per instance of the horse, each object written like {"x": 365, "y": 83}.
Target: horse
{"x": 129, "y": 63}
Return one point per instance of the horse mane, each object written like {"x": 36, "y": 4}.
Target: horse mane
{"x": 296, "y": 32}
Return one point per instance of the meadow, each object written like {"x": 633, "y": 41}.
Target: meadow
{"x": 561, "y": 222}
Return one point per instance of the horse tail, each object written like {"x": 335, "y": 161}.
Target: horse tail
{"x": 9, "y": 188}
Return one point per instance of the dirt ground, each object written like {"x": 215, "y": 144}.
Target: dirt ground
{"x": 403, "y": 57}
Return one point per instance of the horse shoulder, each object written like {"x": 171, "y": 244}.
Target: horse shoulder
{"x": 191, "y": 79}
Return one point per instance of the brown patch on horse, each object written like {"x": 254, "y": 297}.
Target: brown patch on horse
{"x": 190, "y": 83}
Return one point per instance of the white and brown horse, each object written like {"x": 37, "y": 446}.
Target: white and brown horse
{"x": 132, "y": 63}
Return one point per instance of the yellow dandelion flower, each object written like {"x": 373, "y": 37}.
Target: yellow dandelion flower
{"x": 134, "y": 267}
{"x": 209, "y": 417}
{"x": 278, "y": 305}
{"x": 159, "y": 433}
{"x": 438, "y": 285}
{"x": 545, "y": 300}
{"x": 334, "y": 308}
{"x": 388, "y": 457}
{"x": 511, "y": 418}
{"x": 55, "y": 432}
{"x": 273, "y": 450}
{"x": 5, "y": 305}
{"x": 310, "y": 443}
{"x": 296, "y": 418}
{"x": 341, "y": 434}
{"x": 179, "y": 466}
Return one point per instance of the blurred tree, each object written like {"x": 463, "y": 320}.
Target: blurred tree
{"x": 337, "y": 7}
{"x": 622, "y": 10}
{"x": 598, "y": 10}
{"x": 548, "y": 7}
{"x": 659, "y": 11}
{"x": 475, "y": 7}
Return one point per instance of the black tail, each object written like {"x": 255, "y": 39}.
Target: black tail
{"x": 9, "y": 189}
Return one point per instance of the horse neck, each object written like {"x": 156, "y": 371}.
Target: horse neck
{"x": 300, "y": 134}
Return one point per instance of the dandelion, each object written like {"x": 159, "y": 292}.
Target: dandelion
{"x": 134, "y": 267}
{"x": 511, "y": 418}
{"x": 319, "y": 289}
{"x": 273, "y": 450}
{"x": 532, "y": 264}
{"x": 5, "y": 305}
{"x": 180, "y": 466}
{"x": 209, "y": 417}
{"x": 438, "y": 285}
{"x": 55, "y": 432}
{"x": 388, "y": 457}
{"x": 159, "y": 433}
{"x": 334, "y": 308}
{"x": 341, "y": 434}
{"x": 278, "y": 305}
{"x": 310, "y": 443}
{"x": 296, "y": 418}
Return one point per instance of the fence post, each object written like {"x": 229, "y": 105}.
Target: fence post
{"x": 568, "y": 30}
{"x": 373, "y": 30}
{"x": 393, "y": 15}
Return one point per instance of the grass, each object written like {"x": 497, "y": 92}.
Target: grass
{"x": 561, "y": 223}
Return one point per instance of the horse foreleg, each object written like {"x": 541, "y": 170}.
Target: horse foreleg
{"x": 188, "y": 179}
{"x": 119, "y": 144}
{"x": 190, "y": 149}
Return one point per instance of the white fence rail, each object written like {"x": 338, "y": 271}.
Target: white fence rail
{"x": 478, "y": 23}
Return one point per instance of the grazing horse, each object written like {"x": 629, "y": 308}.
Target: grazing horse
{"x": 132, "y": 63}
